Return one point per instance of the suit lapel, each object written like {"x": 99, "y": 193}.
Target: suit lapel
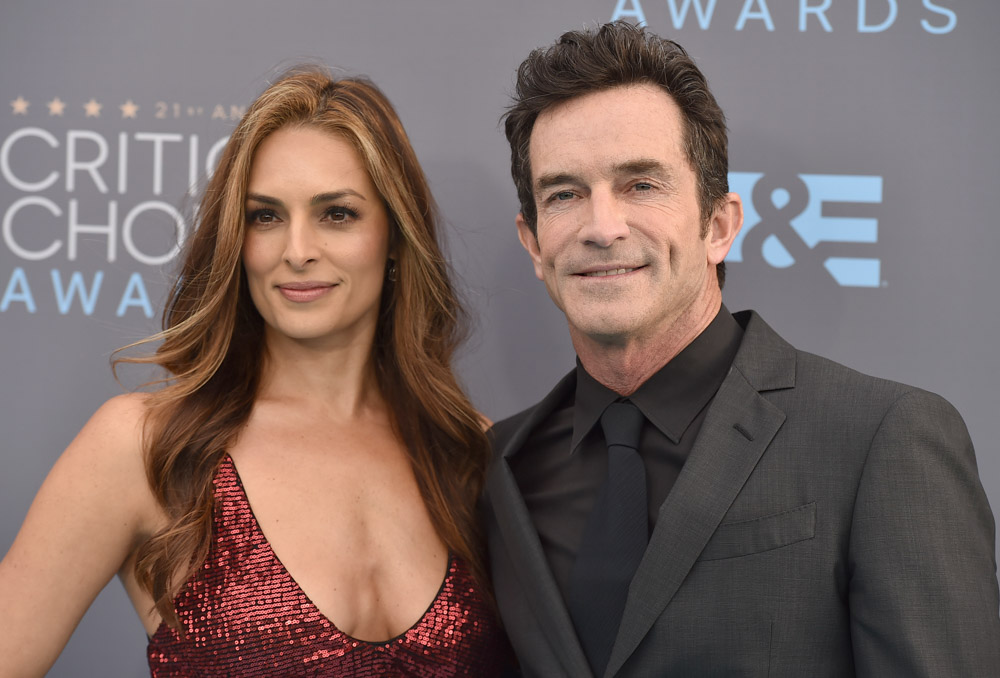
{"x": 738, "y": 427}
{"x": 521, "y": 541}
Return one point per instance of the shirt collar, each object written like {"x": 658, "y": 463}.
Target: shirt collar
{"x": 675, "y": 394}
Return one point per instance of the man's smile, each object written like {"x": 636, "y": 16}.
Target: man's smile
{"x": 608, "y": 271}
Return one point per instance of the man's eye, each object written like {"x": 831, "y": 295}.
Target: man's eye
{"x": 643, "y": 186}
{"x": 563, "y": 195}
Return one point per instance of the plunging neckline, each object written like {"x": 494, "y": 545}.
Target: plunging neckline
{"x": 255, "y": 527}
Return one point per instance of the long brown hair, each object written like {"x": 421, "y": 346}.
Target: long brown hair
{"x": 212, "y": 341}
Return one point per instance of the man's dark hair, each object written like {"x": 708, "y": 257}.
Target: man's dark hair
{"x": 613, "y": 55}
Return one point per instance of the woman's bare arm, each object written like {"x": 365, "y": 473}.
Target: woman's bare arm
{"x": 88, "y": 517}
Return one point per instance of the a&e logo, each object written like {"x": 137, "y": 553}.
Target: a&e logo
{"x": 791, "y": 219}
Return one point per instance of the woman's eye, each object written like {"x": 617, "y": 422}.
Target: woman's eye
{"x": 338, "y": 214}
{"x": 261, "y": 217}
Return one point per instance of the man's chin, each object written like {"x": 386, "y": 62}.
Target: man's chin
{"x": 604, "y": 331}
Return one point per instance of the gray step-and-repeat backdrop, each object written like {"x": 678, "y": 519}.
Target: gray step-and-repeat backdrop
{"x": 863, "y": 142}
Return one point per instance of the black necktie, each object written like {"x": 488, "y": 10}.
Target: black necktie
{"x": 614, "y": 539}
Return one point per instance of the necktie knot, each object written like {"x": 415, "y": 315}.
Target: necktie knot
{"x": 622, "y": 423}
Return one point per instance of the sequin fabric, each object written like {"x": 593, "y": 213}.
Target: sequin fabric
{"x": 244, "y": 615}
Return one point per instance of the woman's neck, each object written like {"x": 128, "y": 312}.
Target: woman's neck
{"x": 336, "y": 380}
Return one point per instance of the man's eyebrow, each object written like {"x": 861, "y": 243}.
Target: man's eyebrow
{"x": 645, "y": 166}
{"x": 639, "y": 166}
{"x": 547, "y": 181}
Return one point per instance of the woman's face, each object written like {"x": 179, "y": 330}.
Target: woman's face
{"x": 317, "y": 239}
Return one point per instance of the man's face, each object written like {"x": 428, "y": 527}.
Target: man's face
{"x": 621, "y": 245}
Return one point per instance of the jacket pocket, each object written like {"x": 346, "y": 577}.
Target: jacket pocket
{"x": 766, "y": 533}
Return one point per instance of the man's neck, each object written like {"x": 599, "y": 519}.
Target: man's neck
{"x": 626, "y": 365}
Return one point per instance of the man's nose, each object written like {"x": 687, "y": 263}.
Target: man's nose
{"x": 605, "y": 221}
{"x": 301, "y": 243}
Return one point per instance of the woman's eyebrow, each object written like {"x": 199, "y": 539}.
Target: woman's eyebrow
{"x": 335, "y": 195}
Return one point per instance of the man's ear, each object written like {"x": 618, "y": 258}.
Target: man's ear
{"x": 727, "y": 220}
{"x": 530, "y": 242}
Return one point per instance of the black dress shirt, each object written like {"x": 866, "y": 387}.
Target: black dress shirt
{"x": 561, "y": 467}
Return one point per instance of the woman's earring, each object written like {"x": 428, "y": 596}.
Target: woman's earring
{"x": 390, "y": 273}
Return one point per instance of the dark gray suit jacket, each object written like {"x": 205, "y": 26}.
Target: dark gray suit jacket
{"x": 826, "y": 523}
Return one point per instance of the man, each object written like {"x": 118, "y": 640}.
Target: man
{"x": 697, "y": 497}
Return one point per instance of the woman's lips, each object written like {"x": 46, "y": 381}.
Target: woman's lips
{"x": 304, "y": 292}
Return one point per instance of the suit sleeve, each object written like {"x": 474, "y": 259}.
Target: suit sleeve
{"x": 923, "y": 589}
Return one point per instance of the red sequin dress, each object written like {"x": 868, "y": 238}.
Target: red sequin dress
{"x": 245, "y": 616}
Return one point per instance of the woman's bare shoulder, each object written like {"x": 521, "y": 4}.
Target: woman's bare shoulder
{"x": 111, "y": 445}
{"x": 116, "y": 427}
{"x": 122, "y": 414}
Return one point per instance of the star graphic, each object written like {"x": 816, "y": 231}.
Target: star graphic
{"x": 56, "y": 106}
{"x": 92, "y": 108}
{"x": 128, "y": 109}
{"x": 20, "y": 106}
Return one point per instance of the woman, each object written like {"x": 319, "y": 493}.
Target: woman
{"x": 291, "y": 499}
